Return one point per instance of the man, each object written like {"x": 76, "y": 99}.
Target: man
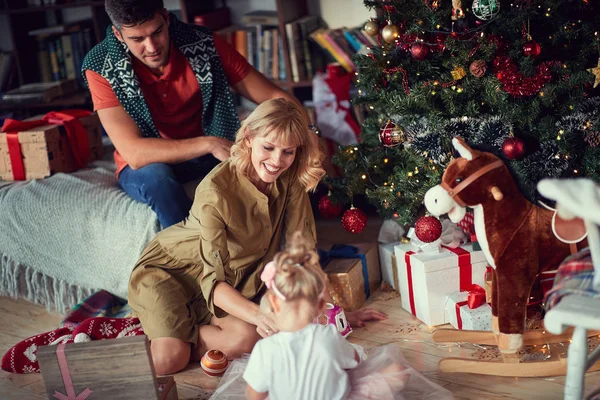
{"x": 161, "y": 90}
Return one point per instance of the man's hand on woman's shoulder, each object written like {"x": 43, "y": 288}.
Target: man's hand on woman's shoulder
{"x": 220, "y": 147}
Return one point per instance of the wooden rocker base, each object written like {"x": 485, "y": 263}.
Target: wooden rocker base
{"x": 499, "y": 368}
{"x": 530, "y": 337}
{"x": 555, "y": 366}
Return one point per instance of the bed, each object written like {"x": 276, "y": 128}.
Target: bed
{"x": 66, "y": 236}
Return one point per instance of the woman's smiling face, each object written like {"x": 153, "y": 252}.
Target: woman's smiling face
{"x": 270, "y": 157}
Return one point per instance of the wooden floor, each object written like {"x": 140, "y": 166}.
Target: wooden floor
{"x": 21, "y": 319}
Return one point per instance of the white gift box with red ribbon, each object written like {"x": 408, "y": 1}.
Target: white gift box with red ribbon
{"x": 461, "y": 316}
{"x": 427, "y": 278}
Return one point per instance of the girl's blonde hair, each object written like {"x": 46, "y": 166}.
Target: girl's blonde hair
{"x": 281, "y": 118}
{"x": 299, "y": 274}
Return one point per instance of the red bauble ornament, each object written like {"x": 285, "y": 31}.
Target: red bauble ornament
{"x": 513, "y": 148}
{"x": 391, "y": 135}
{"x": 329, "y": 209}
{"x": 532, "y": 48}
{"x": 214, "y": 363}
{"x": 428, "y": 229}
{"x": 419, "y": 51}
{"x": 354, "y": 220}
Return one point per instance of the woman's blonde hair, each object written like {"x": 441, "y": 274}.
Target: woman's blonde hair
{"x": 281, "y": 118}
{"x": 299, "y": 274}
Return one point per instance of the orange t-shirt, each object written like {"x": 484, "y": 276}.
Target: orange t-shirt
{"x": 174, "y": 98}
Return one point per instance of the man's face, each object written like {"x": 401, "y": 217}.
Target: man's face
{"x": 148, "y": 41}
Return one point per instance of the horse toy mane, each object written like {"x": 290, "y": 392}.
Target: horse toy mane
{"x": 515, "y": 235}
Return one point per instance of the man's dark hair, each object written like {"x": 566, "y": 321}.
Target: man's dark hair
{"x": 132, "y": 12}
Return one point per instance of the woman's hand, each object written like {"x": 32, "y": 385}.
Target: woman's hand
{"x": 265, "y": 326}
{"x": 359, "y": 317}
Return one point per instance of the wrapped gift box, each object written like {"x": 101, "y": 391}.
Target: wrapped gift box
{"x": 387, "y": 260}
{"x": 103, "y": 369}
{"x": 352, "y": 280}
{"x": 45, "y": 150}
{"x": 427, "y": 278}
{"x": 460, "y": 316}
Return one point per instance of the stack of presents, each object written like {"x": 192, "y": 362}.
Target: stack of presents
{"x": 448, "y": 281}
{"x": 47, "y": 144}
{"x": 439, "y": 283}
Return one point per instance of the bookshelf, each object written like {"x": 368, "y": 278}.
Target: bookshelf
{"x": 289, "y": 11}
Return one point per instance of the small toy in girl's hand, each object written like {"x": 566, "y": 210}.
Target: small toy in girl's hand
{"x": 334, "y": 314}
{"x": 214, "y": 363}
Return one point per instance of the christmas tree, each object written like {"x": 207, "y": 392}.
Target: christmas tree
{"x": 514, "y": 78}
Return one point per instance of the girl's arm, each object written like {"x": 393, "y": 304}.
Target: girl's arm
{"x": 252, "y": 394}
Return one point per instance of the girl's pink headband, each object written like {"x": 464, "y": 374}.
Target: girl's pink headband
{"x": 268, "y": 277}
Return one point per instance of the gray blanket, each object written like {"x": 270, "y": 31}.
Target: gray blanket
{"x": 63, "y": 237}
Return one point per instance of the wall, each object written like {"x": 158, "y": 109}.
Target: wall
{"x": 354, "y": 12}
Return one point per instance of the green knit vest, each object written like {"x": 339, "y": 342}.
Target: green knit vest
{"x": 112, "y": 60}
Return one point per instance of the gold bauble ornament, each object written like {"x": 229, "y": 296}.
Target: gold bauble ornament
{"x": 372, "y": 27}
{"x": 390, "y": 32}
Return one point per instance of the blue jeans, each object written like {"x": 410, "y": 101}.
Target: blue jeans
{"x": 161, "y": 186}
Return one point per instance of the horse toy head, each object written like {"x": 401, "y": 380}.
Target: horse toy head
{"x": 473, "y": 179}
{"x": 515, "y": 235}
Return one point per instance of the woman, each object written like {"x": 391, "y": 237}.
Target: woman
{"x": 195, "y": 286}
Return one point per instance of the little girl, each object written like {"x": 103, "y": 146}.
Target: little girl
{"x": 311, "y": 361}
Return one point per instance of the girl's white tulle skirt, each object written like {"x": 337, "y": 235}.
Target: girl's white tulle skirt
{"x": 382, "y": 375}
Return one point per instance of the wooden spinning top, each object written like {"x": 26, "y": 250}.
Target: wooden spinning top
{"x": 214, "y": 363}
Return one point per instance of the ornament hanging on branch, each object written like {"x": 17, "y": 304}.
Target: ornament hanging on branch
{"x": 532, "y": 48}
{"x": 392, "y": 135}
{"x": 478, "y": 68}
{"x": 485, "y": 9}
{"x": 390, "y": 33}
{"x": 419, "y": 51}
{"x": 372, "y": 27}
{"x": 458, "y": 73}
{"x": 428, "y": 229}
{"x": 592, "y": 138}
{"x": 457, "y": 11}
{"x": 329, "y": 209}
{"x": 354, "y": 220}
{"x": 513, "y": 148}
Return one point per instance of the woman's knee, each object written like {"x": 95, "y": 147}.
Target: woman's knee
{"x": 169, "y": 355}
{"x": 244, "y": 339}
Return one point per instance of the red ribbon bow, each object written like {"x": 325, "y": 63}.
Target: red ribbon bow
{"x": 476, "y": 296}
{"x": 76, "y": 134}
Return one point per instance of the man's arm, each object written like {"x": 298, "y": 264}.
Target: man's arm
{"x": 139, "y": 151}
{"x": 257, "y": 88}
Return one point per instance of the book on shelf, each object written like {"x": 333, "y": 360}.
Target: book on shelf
{"x": 305, "y": 60}
{"x": 260, "y": 17}
{"x": 42, "y": 92}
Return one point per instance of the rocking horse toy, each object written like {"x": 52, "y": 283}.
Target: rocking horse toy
{"x": 518, "y": 241}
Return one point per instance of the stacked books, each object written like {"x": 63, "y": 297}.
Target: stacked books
{"x": 340, "y": 45}
{"x": 61, "y": 50}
